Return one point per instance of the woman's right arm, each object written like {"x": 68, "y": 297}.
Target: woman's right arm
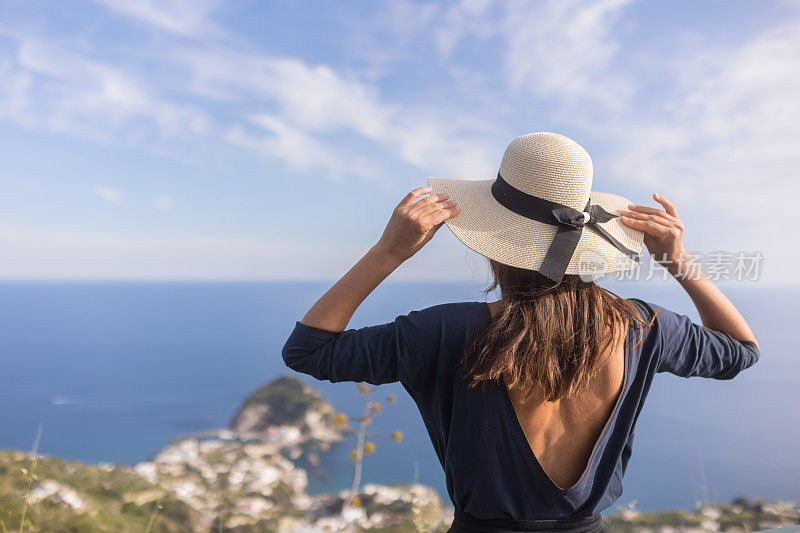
{"x": 663, "y": 231}
{"x": 716, "y": 311}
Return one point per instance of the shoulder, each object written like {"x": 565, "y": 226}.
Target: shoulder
{"x": 650, "y": 314}
{"x": 452, "y": 310}
{"x": 443, "y": 319}
{"x": 662, "y": 317}
{"x": 647, "y": 309}
{"x": 665, "y": 325}
{"x": 449, "y": 314}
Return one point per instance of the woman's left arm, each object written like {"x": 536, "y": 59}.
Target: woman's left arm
{"x": 413, "y": 223}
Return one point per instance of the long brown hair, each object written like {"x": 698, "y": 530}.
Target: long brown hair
{"x": 548, "y": 337}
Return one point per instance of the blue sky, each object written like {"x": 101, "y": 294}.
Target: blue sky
{"x": 270, "y": 140}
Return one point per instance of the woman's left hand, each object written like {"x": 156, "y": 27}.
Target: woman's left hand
{"x": 413, "y": 223}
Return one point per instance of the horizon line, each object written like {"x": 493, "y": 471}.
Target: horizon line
{"x": 658, "y": 282}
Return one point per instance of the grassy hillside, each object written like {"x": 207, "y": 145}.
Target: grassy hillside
{"x": 65, "y": 496}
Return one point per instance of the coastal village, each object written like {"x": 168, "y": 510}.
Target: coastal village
{"x": 250, "y": 477}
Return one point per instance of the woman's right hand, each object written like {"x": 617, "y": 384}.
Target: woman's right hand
{"x": 414, "y": 222}
{"x": 663, "y": 234}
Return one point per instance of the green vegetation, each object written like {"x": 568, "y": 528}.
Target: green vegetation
{"x": 403, "y": 527}
{"x": 107, "y": 499}
{"x": 413, "y": 516}
{"x": 741, "y": 515}
{"x": 651, "y": 521}
{"x": 70, "y": 497}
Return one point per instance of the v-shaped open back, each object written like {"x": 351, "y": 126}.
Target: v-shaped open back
{"x": 610, "y": 409}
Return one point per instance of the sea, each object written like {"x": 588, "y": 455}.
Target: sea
{"x": 113, "y": 371}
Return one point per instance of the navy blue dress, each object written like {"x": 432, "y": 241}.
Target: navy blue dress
{"x": 490, "y": 469}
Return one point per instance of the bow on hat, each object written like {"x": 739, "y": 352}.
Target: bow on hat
{"x": 592, "y": 214}
{"x": 570, "y": 224}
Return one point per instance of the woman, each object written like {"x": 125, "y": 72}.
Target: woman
{"x": 530, "y": 401}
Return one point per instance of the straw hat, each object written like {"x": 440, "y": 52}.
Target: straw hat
{"x": 540, "y": 213}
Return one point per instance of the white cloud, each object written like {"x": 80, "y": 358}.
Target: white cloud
{"x": 723, "y": 144}
{"x": 277, "y": 139}
{"x": 313, "y": 101}
{"x": 50, "y": 86}
{"x": 162, "y": 202}
{"x": 730, "y": 129}
{"x": 183, "y": 17}
{"x": 722, "y": 132}
{"x": 110, "y": 195}
{"x": 465, "y": 18}
{"x": 564, "y": 48}
{"x": 15, "y": 87}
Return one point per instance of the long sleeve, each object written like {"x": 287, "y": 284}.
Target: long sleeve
{"x": 404, "y": 350}
{"x": 689, "y": 349}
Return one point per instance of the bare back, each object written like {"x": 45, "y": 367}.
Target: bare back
{"x": 562, "y": 434}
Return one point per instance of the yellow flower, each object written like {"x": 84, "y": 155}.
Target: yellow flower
{"x": 375, "y": 408}
{"x": 397, "y": 436}
{"x": 366, "y": 420}
{"x": 355, "y": 501}
{"x": 369, "y": 448}
{"x": 339, "y": 420}
{"x": 391, "y": 398}
{"x": 353, "y": 456}
{"x": 364, "y": 389}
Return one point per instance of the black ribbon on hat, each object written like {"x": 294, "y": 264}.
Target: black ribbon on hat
{"x": 570, "y": 224}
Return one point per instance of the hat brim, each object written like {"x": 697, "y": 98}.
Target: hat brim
{"x": 493, "y": 231}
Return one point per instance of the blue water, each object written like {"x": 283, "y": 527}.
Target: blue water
{"x": 114, "y": 371}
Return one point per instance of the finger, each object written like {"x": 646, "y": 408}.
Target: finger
{"x": 650, "y": 211}
{"x": 669, "y": 207}
{"x": 636, "y": 215}
{"x": 413, "y": 195}
{"x": 440, "y": 215}
{"x": 425, "y": 202}
{"x": 430, "y": 208}
{"x": 648, "y": 226}
{"x": 644, "y": 209}
{"x": 661, "y": 217}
